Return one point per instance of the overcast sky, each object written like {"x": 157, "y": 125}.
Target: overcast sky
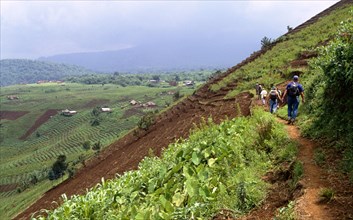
{"x": 31, "y": 29}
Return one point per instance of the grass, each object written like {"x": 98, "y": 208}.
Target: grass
{"x": 21, "y": 160}
{"x": 319, "y": 157}
{"x": 326, "y": 195}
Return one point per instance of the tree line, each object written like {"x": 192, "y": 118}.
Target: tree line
{"x": 150, "y": 79}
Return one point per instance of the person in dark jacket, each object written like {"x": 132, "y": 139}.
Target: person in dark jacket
{"x": 293, "y": 90}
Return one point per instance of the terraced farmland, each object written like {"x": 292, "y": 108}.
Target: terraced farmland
{"x": 26, "y": 159}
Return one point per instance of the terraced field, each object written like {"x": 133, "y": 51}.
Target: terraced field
{"x": 30, "y": 143}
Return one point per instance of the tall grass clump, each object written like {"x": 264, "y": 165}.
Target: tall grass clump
{"x": 219, "y": 167}
{"x": 329, "y": 94}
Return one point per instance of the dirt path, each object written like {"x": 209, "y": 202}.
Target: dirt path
{"x": 308, "y": 205}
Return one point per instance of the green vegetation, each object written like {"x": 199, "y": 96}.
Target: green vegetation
{"x": 319, "y": 157}
{"x": 16, "y": 71}
{"x": 329, "y": 83}
{"x": 151, "y": 80}
{"x": 326, "y": 195}
{"x": 287, "y": 212}
{"x": 298, "y": 171}
{"x": 58, "y": 169}
{"x": 219, "y": 167}
{"x": 25, "y": 164}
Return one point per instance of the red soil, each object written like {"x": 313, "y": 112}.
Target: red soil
{"x": 8, "y": 187}
{"x": 42, "y": 119}
{"x": 12, "y": 115}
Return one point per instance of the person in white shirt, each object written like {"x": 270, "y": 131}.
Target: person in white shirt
{"x": 263, "y": 96}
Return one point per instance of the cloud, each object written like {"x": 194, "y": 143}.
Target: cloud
{"x": 41, "y": 28}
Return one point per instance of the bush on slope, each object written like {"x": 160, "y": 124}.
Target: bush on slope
{"x": 329, "y": 93}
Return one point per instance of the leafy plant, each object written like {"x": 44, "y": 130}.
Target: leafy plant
{"x": 287, "y": 212}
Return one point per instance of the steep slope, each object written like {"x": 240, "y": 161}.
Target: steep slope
{"x": 126, "y": 153}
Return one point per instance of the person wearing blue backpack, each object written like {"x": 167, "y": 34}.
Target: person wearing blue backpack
{"x": 293, "y": 90}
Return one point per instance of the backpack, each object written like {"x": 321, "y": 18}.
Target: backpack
{"x": 273, "y": 95}
{"x": 293, "y": 89}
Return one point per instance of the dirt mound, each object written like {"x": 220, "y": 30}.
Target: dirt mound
{"x": 42, "y": 119}
{"x": 12, "y": 115}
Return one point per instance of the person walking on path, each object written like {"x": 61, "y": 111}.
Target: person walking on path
{"x": 293, "y": 90}
{"x": 263, "y": 95}
{"x": 257, "y": 89}
{"x": 258, "y": 92}
{"x": 273, "y": 99}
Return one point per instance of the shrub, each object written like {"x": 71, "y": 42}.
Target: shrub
{"x": 330, "y": 102}
{"x": 58, "y": 168}
{"x": 86, "y": 145}
{"x": 146, "y": 121}
{"x": 97, "y": 146}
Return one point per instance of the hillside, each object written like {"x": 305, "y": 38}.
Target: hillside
{"x": 21, "y": 71}
{"x": 226, "y": 96}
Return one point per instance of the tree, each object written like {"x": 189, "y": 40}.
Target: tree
{"x": 156, "y": 77}
{"x": 265, "y": 42}
{"x": 58, "y": 168}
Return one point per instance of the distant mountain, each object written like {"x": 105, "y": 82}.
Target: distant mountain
{"x": 15, "y": 71}
{"x": 153, "y": 58}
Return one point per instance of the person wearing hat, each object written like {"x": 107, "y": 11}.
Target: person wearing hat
{"x": 293, "y": 90}
{"x": 273, "y": 98}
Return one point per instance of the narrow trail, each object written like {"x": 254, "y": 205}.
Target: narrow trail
{"x": 308, "y": 205}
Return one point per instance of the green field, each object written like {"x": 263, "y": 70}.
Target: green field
{"x": 29, "y": 160}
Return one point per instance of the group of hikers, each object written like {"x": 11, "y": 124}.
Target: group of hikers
{"x": 293, "y": 90}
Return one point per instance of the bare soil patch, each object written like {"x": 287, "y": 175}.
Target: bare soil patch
{"x": 8, "y": 187}
{"x": 41, "y": 120}
{"x": 132, "y": 111}
{"x": 96, "y": 102}
{"x": 12, "y": 115}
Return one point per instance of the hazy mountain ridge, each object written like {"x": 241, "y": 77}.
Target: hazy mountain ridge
{"x": 152, "y": 58}
{"x": 16, "y": 71}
